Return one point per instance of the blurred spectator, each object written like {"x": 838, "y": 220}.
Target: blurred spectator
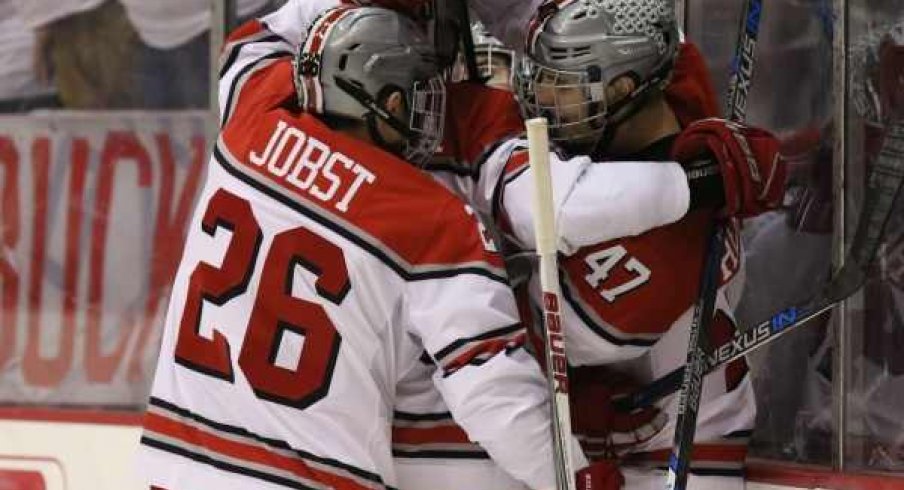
{"x": 19, "y": 88}
{"x": 86, "y": 48}
{"x": 173, "y": 61}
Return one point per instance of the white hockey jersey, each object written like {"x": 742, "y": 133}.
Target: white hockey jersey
{"x": 316, "y": 270}
{"x": 628, "y": 306}
{"x": 593, "y": 202}
{"x": 431, "y": 450}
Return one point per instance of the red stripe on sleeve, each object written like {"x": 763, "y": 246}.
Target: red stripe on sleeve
{"x": 429, "y": 435}
{"x": 255, "y": 454}
{"x": 248, "y": 29}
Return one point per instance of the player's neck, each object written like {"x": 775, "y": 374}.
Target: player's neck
{"x": 654, "y": 121}
{"x": 358, "y": 132}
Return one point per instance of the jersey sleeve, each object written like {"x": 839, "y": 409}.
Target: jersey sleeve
{"x": 254, "y": 71}
{"x": 292, "y": 20}
{"x": 594, "y": 202}
{"x": 469, "y": 326}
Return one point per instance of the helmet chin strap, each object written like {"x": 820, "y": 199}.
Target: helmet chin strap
{"x": 631, "y": 104}
{"x": 370, "y": 120}
{"x": 375, "y": 110}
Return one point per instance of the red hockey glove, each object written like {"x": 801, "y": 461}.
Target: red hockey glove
{"x": 753, "y": 172}
{"x": 602, "y": 431}
{"x": 600, "y": 475}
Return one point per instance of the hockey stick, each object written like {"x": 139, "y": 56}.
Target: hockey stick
{"x": 556, "y": 363}
{"x": 743, "y": 62}
{"x": 884, "y": 185}
{"x": 692, "y": 377}
{"x": 467, "y": 43}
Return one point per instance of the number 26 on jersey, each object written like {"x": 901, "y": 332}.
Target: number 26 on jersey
{"x": 275, "y": 310}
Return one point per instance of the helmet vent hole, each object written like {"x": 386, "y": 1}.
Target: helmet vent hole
{"x": 342, "y": 61}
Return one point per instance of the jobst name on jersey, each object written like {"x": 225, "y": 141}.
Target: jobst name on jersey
{"x": 310, "y": 165}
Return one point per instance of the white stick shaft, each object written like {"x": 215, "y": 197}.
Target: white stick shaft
{"x": 556, "y": 364}
{"x": 544, "y": 215}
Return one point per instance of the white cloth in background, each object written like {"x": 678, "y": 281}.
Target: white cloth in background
{"x": 165, "y": 24}
{"x": 17, "y": 78}
{"x": 37, "y": 13}
{"x": 505, "y": 19}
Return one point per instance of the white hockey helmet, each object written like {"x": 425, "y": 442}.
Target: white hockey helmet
{"x": 496, "y": 60}
{"x": 355, "y": 57}
{"x": 581, "y": 47}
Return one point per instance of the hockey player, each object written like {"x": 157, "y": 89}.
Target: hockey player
{"x": 430, "y": 451}
{"x": 596, "y": 203}
{"x": 666, "y": 197}
{"x": 600, "y": 71}
{"x": 319, "y": 264}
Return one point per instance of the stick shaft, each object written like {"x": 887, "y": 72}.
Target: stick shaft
{"x": 556, "y": 363}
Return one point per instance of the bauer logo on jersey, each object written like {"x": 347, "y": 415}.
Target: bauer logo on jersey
{"x": 309, "y": 165}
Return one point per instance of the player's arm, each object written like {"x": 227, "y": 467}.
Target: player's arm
{"x": 292, "y": 20}
{"x": 594, "y": 202}
{"x": 466, "y": 319}
{"x": 255, "y": 71}
{"x": 261, "y": 51}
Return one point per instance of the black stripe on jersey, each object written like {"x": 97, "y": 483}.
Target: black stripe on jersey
{"x": 415, "y": 417}
{"x": 480, "y": 361}
{"x": 206, "y": 459}
{"x": 240, "y": 79}
{"x": 426, "y": 359}
{"x": 486, "y": 154}
{"x": 439, "y": 454}
{"x": 276, "y": 443}
{"x": 237, "y": 48}
{"x": 499, "y": 188}
{"x": 739, "y": 434}
{"x": 511, "y": 178}
{"x": 499, "y": 332}
{"x": 452, "y": 168}
{"x": 591, "y": 323}
{"x": 274, "y": 33}
{"x": 400, "y": 269}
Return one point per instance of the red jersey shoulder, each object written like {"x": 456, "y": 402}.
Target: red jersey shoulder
{"x": 354, "y": 185}
{"x": 641, "y": 285}
{"x": 477, "y": 118}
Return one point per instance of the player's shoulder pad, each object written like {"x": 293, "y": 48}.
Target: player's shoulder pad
{"x": 375, "y": 199}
